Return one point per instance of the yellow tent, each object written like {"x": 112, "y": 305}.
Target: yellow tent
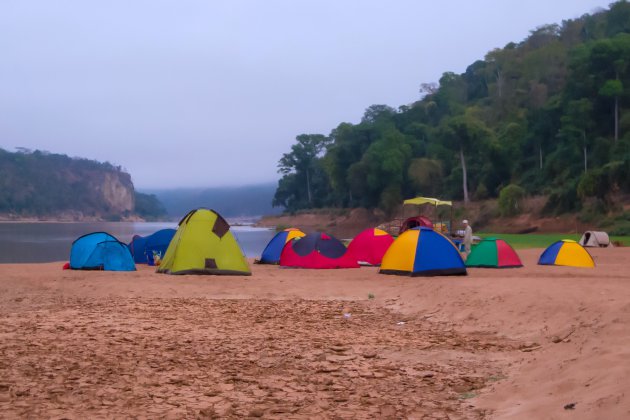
{"x": 566, "y": 252}
{"x": 204, "y": 244}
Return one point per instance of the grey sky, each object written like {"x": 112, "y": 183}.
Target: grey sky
{"x": 207, "y": 93}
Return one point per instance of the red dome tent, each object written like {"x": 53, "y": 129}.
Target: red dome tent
{"x": 369, "y": 246}
{"x": 316, "y": 250}
{"x": 423, "y": 221}
{"x": 414, "y": 222}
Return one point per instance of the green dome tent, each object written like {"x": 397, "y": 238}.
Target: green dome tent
{"x": 493, "y": 253}
{"x": 204, "y": 244}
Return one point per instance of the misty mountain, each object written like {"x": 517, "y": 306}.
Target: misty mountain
{"x": 243, "y": 201}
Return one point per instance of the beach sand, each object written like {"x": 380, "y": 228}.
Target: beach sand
{"x": 287, "y": 343}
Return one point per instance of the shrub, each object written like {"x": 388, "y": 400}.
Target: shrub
{"x": 562, "y": 200}
{"x": 622, "y": 229}
{"x": 482, "y": 192}
{"x": 510, "y": 200}
{"x": 593, "y": 210}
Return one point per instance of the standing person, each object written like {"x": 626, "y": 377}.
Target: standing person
{"x": 468, "y": 234}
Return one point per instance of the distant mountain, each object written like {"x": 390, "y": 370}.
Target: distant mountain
{"x": 47, "y": 186}
{"x": 243, "y": 201}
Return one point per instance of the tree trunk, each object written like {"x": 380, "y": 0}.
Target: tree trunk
{"x": 585, "y": 156}
{"x": 308, "y": 187}
{"x": 464, "y": 174}
{"x": 616, "y": 118}
{"x": 585, "y": 160}
{"x": 540, "y": 155}
{"x": 499, "y": 78}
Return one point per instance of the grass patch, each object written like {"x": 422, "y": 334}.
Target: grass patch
{"x": 467, "y": 395}
{"x": 540, "y": 240}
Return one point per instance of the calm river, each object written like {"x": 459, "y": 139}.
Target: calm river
{"x": 45, "y": 242}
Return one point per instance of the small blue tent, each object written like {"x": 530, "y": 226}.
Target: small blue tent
{"x": 143, "y": 247}
{"x": 100, "y": 251}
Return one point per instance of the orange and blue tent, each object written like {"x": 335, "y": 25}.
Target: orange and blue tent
{"x": 493, "y": 253}
{"x": 568, "y": 253}
{"x": 369, "y": 246}
{"x": 271, "y": 253}
{"x": 423, "y": 252}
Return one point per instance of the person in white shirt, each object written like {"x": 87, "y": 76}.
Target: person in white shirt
{"x": 468, "y": 237}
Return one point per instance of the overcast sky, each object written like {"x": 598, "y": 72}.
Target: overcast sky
{"x": 211, "y": 93}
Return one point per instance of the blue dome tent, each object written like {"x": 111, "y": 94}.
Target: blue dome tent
{"x": 143, "y": 247}
{"x": 100, "y": 251}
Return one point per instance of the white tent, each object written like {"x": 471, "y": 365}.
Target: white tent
{"x": 596, "y": 239}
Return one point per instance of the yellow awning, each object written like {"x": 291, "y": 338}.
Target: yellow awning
{"x": 426, "y": 200}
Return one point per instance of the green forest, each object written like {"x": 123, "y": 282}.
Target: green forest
{"x": 42, "y": 184}
{"x": 546, "y": 116}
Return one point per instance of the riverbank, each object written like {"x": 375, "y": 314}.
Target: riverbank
{"x": 483, "y": 215}
{"x": 520, "y": 343}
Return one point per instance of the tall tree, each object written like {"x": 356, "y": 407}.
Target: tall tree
{"x": 576, "y": 123}
{"x": 300, "y": 161}
{"x": 465, "y": 133}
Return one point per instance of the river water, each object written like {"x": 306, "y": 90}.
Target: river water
{"x": 45, "y": 242}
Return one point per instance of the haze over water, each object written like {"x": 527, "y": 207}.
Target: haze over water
{"x": 46, "y": 242}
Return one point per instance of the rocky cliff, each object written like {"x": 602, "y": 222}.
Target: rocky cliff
{"x": 117, "y": 191}
{"x": 43, "y": 186}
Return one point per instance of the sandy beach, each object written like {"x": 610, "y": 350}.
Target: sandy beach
{"x": 530, "y": 343}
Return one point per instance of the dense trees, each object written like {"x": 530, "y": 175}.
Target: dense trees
{"x": 549, "y": 115}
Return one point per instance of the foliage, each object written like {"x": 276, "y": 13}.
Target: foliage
{"x": 550, "y": 113}
{"x": 149, "y": 207}
{"x": 510, "y": 200}
{"x": 425, "y": 175}
{"x": 304, "y": 179}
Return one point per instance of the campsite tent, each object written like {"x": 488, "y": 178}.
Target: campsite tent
{"x": 566, "y": 252}
{"x": 271, "y": 253}
{"x": 493, "y": 253}
{"x": 137, "y": 246}
{"x": 419, "y": 221}
{"x": 100, "y": 251}
{"x": 143, "y": 247}
{"x": 595, "y": 239}
{"x": 317, "y": 250}
{"x": 414, "y": 222}
{"x": 422, "y": 252}
{"x": 204, "y": 244}
{"x": 369, "y": 246}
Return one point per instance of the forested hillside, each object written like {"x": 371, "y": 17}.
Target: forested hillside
{"x": 44, "y": 185}
{"x": 549, "y": 115}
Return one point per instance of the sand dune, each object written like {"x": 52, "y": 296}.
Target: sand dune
{"x": 516, "y": 343}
